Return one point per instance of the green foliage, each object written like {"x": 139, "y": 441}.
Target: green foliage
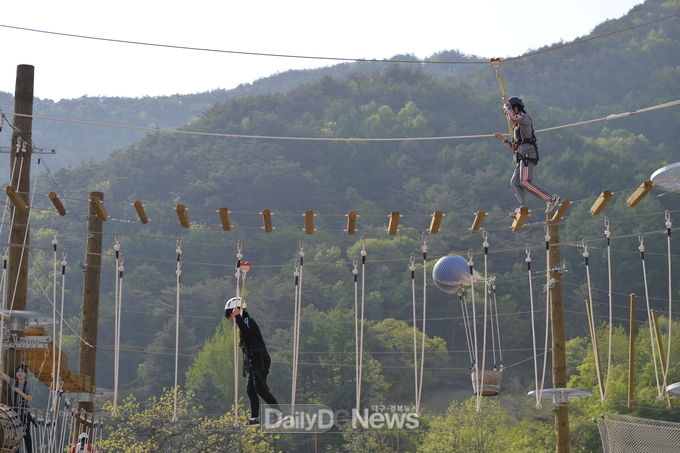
{"x": 463, "y": 429}
{"x": 150, "y": 428}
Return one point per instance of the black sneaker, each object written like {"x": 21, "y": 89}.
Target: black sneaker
{"x": 553, "y": 204}
{"x": 253, "y": 422}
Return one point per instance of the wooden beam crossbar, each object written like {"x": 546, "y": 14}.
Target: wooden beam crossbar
{"x": 141, "y": 213}
{"x": 58, "y": 205}
{"x": 97, "y": 205}
{"x": 17, "y": 199}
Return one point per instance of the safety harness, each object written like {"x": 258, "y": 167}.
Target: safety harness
{"x": 519, "y": 140}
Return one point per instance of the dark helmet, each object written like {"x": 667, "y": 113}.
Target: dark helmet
{"x": 515, "y": 101}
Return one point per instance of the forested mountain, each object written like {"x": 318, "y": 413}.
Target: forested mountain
{"x": 631, "y": 67}
{"x": 76, "y": 144}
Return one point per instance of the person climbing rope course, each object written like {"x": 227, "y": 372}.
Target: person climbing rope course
{"x": 523, "y": 144}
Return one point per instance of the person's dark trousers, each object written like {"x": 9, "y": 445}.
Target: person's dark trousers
{"x": 258, "y": 369}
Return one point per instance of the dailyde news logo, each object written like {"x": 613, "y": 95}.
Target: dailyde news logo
{"x": 310, "y": 418}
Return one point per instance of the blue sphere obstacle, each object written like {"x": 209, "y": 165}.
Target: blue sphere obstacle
{"x": 451, "y": 272}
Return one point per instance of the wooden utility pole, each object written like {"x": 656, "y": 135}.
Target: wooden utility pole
{"x": 16, "y": 286}
{"x": 90, "y": 311}
{"x": 20, "y": 179}
{"x": 559, "y": 362}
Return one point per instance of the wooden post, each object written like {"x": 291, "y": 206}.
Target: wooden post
{"x": 631, "y": 350}
{"x": 20, "y": 179}
{"x": 559, "y": 362}
{"x": 90, "y": 309}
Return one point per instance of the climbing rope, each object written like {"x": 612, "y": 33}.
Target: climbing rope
{"x": 475, "y": 369}
{"x": 497, "y": 365}
{"x": 466, "y": 325}
{"x": 548, "y": 308}
{"x": 669, "y": 226}
{"x": 178, "y": 274}
{"x": 480, "y": 379}
{"x": 591, "y": 325}
{"x": 296, "y": 323}
{"x": 607, "y": 234}
{"x": 118, "y": 282}
{"x": 355, "y": 277}
{"x": 412, "y": 269}
{"x": 360, "y": 354}
{"x": 237, "y": 276}
{"x": 641, "y": 248}
{"x": 537, "y": 393}
{"x": 423, "y": 249}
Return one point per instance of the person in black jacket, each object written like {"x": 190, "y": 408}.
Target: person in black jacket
{"x": 257, "y": 360}
{"x": 20, "y": 398}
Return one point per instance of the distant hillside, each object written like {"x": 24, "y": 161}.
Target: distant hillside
{"x": 77, "y": 144}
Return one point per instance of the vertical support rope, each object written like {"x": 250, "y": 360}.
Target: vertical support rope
{"x": 293, "y": 386}
{"x": 412, "y": 270}
{"x": 480, "y": 381}
{"x": 296, "y": 325}
{"x": 548, "y": 308}
{"x": 116, "y": 334}
{"x": 178, "y": 273}
{"x": 491, "y": 322}
{"x": 475, "y": 368}
{"x": 121, "y": 269}
{"x": 592, "y": 326}
{"x": 641, "y": 248}
{"x": 355, "y": 276}
{"x": 423, "y": 249}
{"x": 237, "y": 276}
{"x": 669, "y": 226}
{"x": 533, "y": 328}
{"x": 607, "y": 234}
{"x": 498, "y": 328}
{"x": 360, "y": 357}
{"x": 466, "y": 324}
{"x": 55, "y": 262}
{"x": 56, "y": 371}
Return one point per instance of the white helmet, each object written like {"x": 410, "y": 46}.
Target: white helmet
{"x": 234, "y": 302}
{"x": 82, "y": 436}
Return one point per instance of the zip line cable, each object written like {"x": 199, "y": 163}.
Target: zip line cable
{"x": 613, "y": 116}
{"x": 331, "y": 58}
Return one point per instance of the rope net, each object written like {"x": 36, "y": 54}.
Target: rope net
{"x": 626, "y": 434}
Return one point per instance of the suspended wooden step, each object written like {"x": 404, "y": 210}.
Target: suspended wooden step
{"x": 490, "y": 386}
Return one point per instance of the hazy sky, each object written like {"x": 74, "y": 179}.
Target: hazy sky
{"x": 69, "y": 67}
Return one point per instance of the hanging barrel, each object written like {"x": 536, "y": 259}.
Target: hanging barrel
{"x": 492, "y": 382}
{"x": 11, "y": 430}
